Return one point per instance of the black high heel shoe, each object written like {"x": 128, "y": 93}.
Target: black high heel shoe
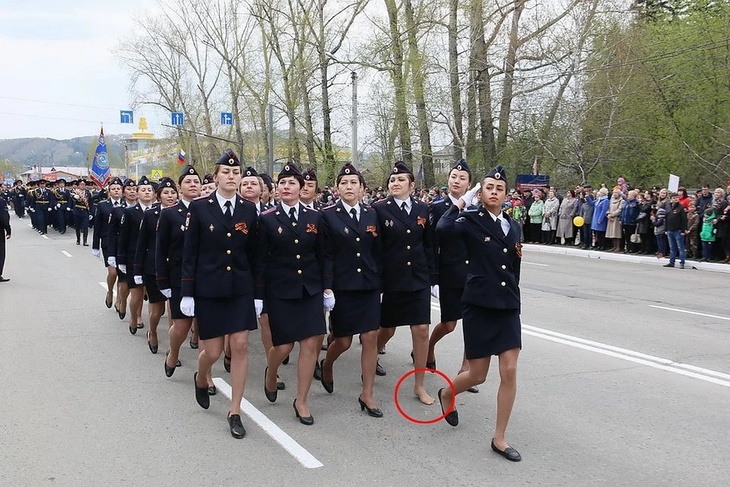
{"x": 271, "y": 396}
{"x": 328, "y": 386}
{"x": 153, "y": 348}
{"x": 305, "y": 420}
{"x": 374, "y": 412}
{"x": 169, "y": 370}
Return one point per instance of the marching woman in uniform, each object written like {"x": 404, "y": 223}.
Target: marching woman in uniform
{"x": 491, "y": 300}
{"x": 129, "y": 194}
{"x": 408, "y": 269}
{"x": 144, "y": 257}
{"x": 101, "y": 238}
{"x": 352, "y": 271}
{"x": 128, "y": 233}
{"x": 290, "y": 280}
{"x": 217, "y": 281}
{"x": 451, "y": 262}
{"x": 168, "y": 263}
{"x": 208, "y": 186}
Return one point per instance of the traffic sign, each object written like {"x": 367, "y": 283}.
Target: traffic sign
{"x": 156, "y": 173}
{"x": 8, "y": 175}
{"x": 126, "y": 116}
{"x": 226, "y": 118}
{"x": 178, "y": 118}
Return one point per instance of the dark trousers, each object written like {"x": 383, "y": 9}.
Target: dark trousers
{"x": 586, "y": 236}
{"x": 2, "y": 251}
{"x": 19, "y": 207}
{"x": 61, "y": 219}
{"x": 629, "y": 230}
{"x": 81, "y": 224}
{"x": 41, "y": 219}
{"x": 600, "y": 239}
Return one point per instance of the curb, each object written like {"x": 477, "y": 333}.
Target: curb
{"x": 638, "y": 259}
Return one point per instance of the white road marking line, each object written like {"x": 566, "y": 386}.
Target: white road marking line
{"x": 535, "y": 263}
{"x": 45, "y": 236}
{"x": 103, "y": 285}
{"x": 688, "y": 370}
{"x": 66, "y": 253}
{"x": 287, "y": 442}
{"x": 690, "y": 312}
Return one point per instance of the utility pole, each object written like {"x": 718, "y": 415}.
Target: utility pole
{"x": 354, "y": 118}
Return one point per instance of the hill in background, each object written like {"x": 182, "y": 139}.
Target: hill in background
{"x": 49, "y": 152}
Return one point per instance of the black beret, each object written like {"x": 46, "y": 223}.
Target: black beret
{"x": 348, "y": 170}
{"x": 144, "y": 180}
{"x": 167, "y": 183}
{"x": 462, "y": 166}
{"x": 228, "y": 158}
{"x": 309, "y": 175}
{"x": 290, "y": 169}
{"x": 497, "y": 173}
{"x": 400, "y": 168}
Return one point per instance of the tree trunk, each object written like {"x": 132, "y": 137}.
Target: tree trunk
{"x": 454, "y": 81}
{"x": 397, "y": 76}
{"x": 509, "y": 75}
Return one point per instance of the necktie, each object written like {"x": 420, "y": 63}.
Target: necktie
{"x": 293, "y": 215}
{"x": 499, "y": 222}
{"x": 228, "y": 212}
{"x": 404, "y": 208}
{"x": 353, "y": 212}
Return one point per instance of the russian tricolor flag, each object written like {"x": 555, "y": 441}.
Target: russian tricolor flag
{"x": 181, "y": 157}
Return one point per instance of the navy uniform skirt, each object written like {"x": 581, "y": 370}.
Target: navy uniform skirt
{"x": 153, "y": 292}
{"x": 489, "y": 331}
{"x": 405, "y": 308}
{"x": 218, "y": 317}
{"x": 450, "y": 303}
{"x": 175, "y": 299}
{"x": 293, "y": 320}
{"x": 355, "y": 312}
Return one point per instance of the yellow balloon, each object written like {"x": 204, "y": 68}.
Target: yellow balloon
{"x": 578, "y": 221}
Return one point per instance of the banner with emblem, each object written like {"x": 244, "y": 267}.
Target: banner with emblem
{"x": 100, "y": 172}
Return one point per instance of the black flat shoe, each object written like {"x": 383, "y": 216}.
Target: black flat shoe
{"x": 108, "y": 303}
{"x": 280, "y": 386}
{"x": 453, "y": 417}
{"x": 121, "y": 314}
{"x": 132, "y": 330}
{"x": 201, "y": 393}
{"x": 379, "y": 370}
{"x": 153, "y": 348}
{"x": 374, "y": 412}
{"x": 431, "y": 365}
{"x": 328, "y": 386}
{"x": 140, "y": 325}
{"x": 286, "y": 360}
{"x": 509, "y": 453}
{"x": 178, "y": 363}
{"x": 271, "y": 396}
{"x": 381, "y": 351}
{"x": 168, "y": 370}
{"x": 226, "y": 363}
{"x": 305, "y": 420}
{"x": 212, "y": 391}
{"x": 473, "y": 390}
{"x": 237, "y": 429}
{"x": 194, "y": 345}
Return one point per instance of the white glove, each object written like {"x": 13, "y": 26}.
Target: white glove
{"x": 138, "y": 280}
{"x": 435, "y": 291}
{"x": 187, "y": 306}
{"x": 122, "y": 268}
{"x": 91, "y": 217}
{"x": 68, "y": 209}
{"x": 329, "y": 301}
{"x": 166, "y": 292}
{"x": 112, "y": 261}
{"x": 50, "y": 209}
{"x": 96, "y": 253}
{"x": 259, "y": 305}
{"x": 469, "y": 196}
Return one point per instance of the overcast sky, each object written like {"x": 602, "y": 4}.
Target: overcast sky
{"x": 58, "y": 76}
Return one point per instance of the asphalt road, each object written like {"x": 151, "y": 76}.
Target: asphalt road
{"x": 624, "y": 379}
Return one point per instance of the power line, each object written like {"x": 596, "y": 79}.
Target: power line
{"x": 47, "y": 102}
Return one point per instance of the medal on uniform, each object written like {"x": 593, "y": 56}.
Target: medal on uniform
{"x": 211, "y": 227}
{"x": 311, "y": 228}
{"x": 371, "y": 229}
{"x": 421, "y": 221}
{"x": 242, "y": 227}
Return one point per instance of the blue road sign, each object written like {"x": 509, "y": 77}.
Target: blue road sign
{"x": 226, "y": 118}
{"x": 8, "y": 175}
{"x": 178, "y": 118}
{"x": 126, "y": 116}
